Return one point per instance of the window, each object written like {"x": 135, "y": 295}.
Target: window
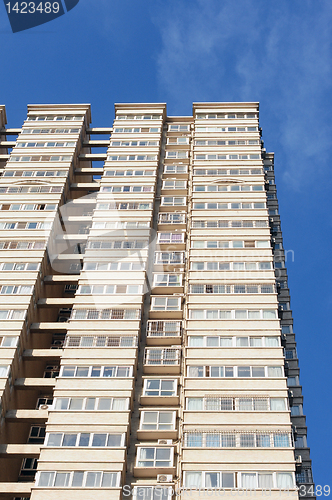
{"x": 114, "y": 266}
{"x": 127, "y": 189}
{"x": 178, "y": 140}
{"x": 118, "y": 244}
{"x": 101, "y": 314}
{"x": 19, "y": 266}
{"x": 35, "y": 173}
{"x": 8, "y": 341}
{"x": 164, "y": 328}
{"x": 221, "y": 289}
{"x": 78, "y": 479}
{"x": 37, "y": 434}
{"x": 231, "y": 341}
{"x": 160, "y": 387}
{"x": 85, "y": 439}
{"x": 170, "y": 237}
{"x": 152, "y": 493}
{"x": 96, "y": 371}
{"x": 167, "y": 280}
{"x": 135, "y": 130}
{"x": 176, "y": 154}
{"x": 158, "y": 420}
{"x": 212, "y": 223}
{"x": 169, "y": 257}
{"x": 242, "y": 314}
{"x": 55, "y": 117}
{"x": 296, "y": 410}
{"x": 109, "y": 289}
{"x": 129, "y": 172}
{"x": 228, "y": 266}
{"x": 122, "y": 206}
{"x": 226, "y": 403}
{"x": 227, "y": 206}
{"x": 100, "y": 341}
{"x": 233, "y": 171}
{"x": 134, "y": 143}
{"x": 44, "y": 158}
{"x": 209, "y": 479}
{"x": 138, "y": 117}
{"x": 25, "y": 225}
{"x": 178, "y": 128}
{"x": 163, "y": 356}
{"x": 39, "y": 131}
{"x": 175, "y": 169}
{"x": 293, "y": 381}
{"x": 55, "y": 144}
{"x": 174, "y": 184}
{"x": 173, "y": 201}
{"x": 16, "y": 289}
{"x": 234, "y": 371}
{"x": 238, "y": 439}
{"x": 231, "y": 187}
{"x": 14, "y": 314}
{"x": 166, "y": 304}
{"x": 201, "y": 156}
{"x": 91, "y": 404}
{"x": 29, "y": 467}
{"x": 230, "y": 244}
{"x": 203, "y": 116}
{"x": 132, "y": 158}
{"x": 154, "y": 457}
{"x": 31, "y": 189}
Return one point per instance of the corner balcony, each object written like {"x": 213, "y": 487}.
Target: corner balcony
{"x": 162, "y": 361}
{"x": 164, "y": 333}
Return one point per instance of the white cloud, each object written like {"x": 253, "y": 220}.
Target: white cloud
{"x": 274, "y": 52}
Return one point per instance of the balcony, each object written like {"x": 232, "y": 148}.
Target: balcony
{"x": 164, "y": 332}
{"x": 162, "y": 360}
{"x": 172, "y": 218}
{"x": 167, "y": 283}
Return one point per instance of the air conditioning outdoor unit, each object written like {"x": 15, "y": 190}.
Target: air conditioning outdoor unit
{"x": 298, "y": 459}
{"x": 164, "y": 478}
{"x": 165, "y": 441}
{"x": 45, "y": 407}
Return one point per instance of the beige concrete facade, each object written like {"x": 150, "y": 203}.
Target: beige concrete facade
{"x": 141, "y": 342}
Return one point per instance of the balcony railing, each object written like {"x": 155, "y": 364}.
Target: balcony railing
{"x": 162, "y": 357}
{"x": 164, "y": 328}
{"x": 100, "y": 341}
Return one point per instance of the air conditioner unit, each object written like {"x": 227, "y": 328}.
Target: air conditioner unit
{"x": 298, "y": 459}
{"x": 164, "y": 478}
{"x": 165, "y": 441}
{"x": 45, "y": 407}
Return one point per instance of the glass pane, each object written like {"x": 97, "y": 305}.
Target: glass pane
{"x": 54, "y": 439}
{"x": 69, "y": 439}
{"x": 62, "y": 479}
{"x": 46, "y": 479}
{"x": 99, "y": 440}
{"x": 84, "y": 439}
{"x": 76, "y": 404}
{"x": 104, "y": 404}
{"x": 109, "y": 480}
{"x": 93, "y": 479}
{"x": 77, "y": 479}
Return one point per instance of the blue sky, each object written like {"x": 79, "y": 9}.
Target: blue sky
{"x": 180, "y": 51}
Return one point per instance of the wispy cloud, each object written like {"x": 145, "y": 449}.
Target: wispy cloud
{"x": 276, "y": 52}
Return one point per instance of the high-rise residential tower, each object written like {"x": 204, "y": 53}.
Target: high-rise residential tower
{"x": 147, "y": 339}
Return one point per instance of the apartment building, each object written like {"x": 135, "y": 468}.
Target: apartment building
{"x": 147, "y": 345}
